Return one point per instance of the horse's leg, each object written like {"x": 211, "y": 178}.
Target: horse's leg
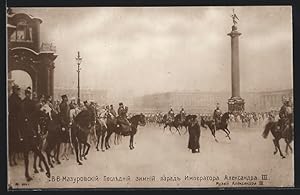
{"x": 186, "y": 130}
{"x": 48, "y": 153}
{"x": 34, "y": 163}
{"x": 165, "y": 128}
{"x": 213, "y": 132}
{"x": 87, "y": 151}
{"x": 26, "y": 160}
{"x": 276, "y": 150}
{"x": 80, "y": 150}
{"x": 98, "y": 140}
{"x": 40, "y": 165}
{"x": 170, "y": 129}
{"x": 41, "y": 156}
{"x": 107, "y": 139}
{"x": 131, "y": 142}
{"x": 288, "y": 146}
{"x": 278, "y": 146}
{"x": 178, "y": 131}
{"x": 227, "y": 132}
{"x": 115, "y": 139}
{"x": 76, "y": 148}
{"x": 57, "y": 153}
{"x": 102, "y": 140}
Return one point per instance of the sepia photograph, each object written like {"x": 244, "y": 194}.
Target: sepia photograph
{"x": 150, "y": 97}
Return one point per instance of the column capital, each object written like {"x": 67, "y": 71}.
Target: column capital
{"x": 234, "y": 33}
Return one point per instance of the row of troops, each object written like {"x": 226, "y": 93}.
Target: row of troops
{"x": 67, "y": 111}
{"x": 281, "y": 115}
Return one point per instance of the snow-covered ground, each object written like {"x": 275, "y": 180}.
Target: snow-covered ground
{"x": 161, "y": 159}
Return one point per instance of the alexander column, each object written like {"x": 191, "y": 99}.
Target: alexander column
{"x": 235, "y": 103}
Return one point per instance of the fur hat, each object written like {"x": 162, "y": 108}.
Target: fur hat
{"x": 64, "y": 96}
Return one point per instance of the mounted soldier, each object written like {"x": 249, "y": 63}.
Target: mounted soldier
{"x": 122, "y": 112}
{"x": 285, "y": 114}
{"x": 112, "y": 111}
{"x": 182, "y": 114}
{"x": 217, "y": 114}
{"x": 103, "y": 116}
{"x": 171, "y": 114}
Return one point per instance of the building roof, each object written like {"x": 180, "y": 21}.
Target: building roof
{"x": 28, "y": 15}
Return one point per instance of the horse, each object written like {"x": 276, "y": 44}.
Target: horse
{"x": 114, "y": 127}
{"x": 50, "y": 132}
{"x": 80, "y": 130}
{"x": 287, "y": 135}
{"x": 172, "y": 123}
{"x": 28, "y": 141}
{"x": 222, "y": 125}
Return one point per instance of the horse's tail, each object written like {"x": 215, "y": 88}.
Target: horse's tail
{"x": 268, "y": 127}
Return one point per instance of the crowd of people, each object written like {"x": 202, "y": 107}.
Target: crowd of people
{"x": 66, "y": 109}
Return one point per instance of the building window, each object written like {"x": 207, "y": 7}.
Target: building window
{"x": 23, "y": 32}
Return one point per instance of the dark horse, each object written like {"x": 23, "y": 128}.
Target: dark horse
{"x": 112, "y": 127}
{"x": 287, "y": 134}
{"x": 176, "y": 123}
{"x": 80, "y": 130}
{"x": 28, "y": 141}
{"x": 222, "y": 125}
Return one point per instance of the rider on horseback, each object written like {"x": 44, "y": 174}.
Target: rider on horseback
{"x": 217, "y": 114}
{"x": 284, "y": 115}
{"x": 102, "y": 116}
{"x": 112, "y": 111}
{"x": 122, "y": 112}
{"x": 171, "y": 114}
{"x": 182, "y": 114}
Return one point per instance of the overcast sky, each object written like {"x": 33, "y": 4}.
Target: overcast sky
{"x": 149, "y": 50}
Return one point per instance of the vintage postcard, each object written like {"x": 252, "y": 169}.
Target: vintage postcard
{"x": 148, "y": 97}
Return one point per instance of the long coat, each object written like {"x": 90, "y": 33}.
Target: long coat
{"x": 194, "y": 136}
{"x": 14, "y": 112}
{"x": 64, "y": 114}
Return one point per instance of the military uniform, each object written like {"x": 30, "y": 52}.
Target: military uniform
{"x": 217, "y": 115}
{"x": 171, "y": 114}
{"x": 122, "y": 112}
{"x": 284, "y": 115}
{"x": 14, "y": 111}
{"x": 65, "y": 120}
{"x": 30, "y": 116}
{"x": 112, "y": 111}
{"x": 182, "y": 114}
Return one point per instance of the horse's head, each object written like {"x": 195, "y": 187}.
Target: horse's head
{"x": 139, "y": 119}
{"x": 225, "y": 117}
{"x": 85, "y": 119}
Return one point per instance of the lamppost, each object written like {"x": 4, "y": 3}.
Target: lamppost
{"x": 78, "y": 59}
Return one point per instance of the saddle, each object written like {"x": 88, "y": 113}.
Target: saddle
{"x": 123, "y": 126}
